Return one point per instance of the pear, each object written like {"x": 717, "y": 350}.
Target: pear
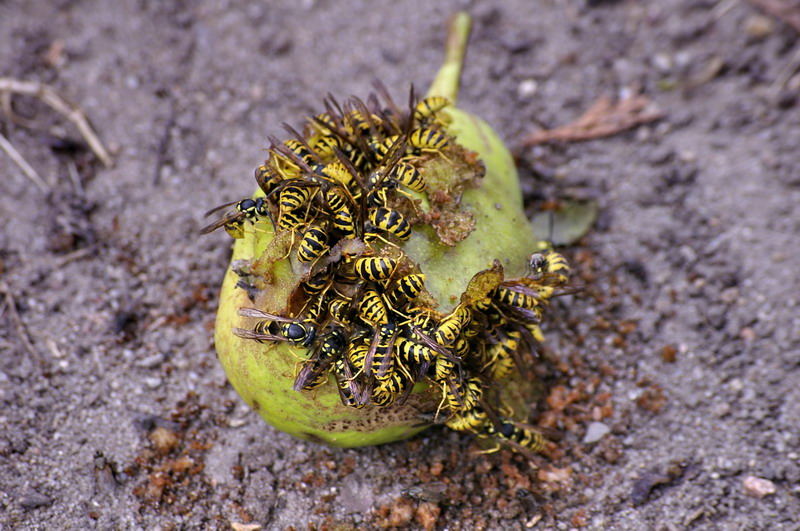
{"x": 263, "y": 373}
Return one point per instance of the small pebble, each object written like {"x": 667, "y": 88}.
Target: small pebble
{"x": 758, "y": 487}
{"x": 427, "y": 514}
{"x": 758, "y": 26}
{"x": 595, "y": 432}
{"x": 151, "y": 362}
{"x": 34, "y": 500}
{"x": 663, "y": 62}
{"x": 527, "y": 88}
{"x": 402, "y": 512}
{"x": 152, "y": 382}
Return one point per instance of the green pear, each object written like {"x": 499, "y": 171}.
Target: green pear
{"x": 263, "y": 373}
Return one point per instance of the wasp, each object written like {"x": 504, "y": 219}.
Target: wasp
{"x": 284, "y": 163}
{"x": 357, "y": 354}
{"x": 339, "y": 173}
{"x": 383, "y": 179}
{"x": 293, "y": 198}
{"x": 422, "y": 321}
{"x": 461, "y": 348}
{"x": 444, "y": 367}
{"x": 451, "y": 326}
{"x": 324, "y": 124}
{"x": 313, "y": 245}
{"x": 517, "y": 297}
{"x": 413, "y": 353}
{"x": 325, "y": 146}
{"x": 339, "y": 309}
{"x": 459, "y": 394}
{"x": 298, "y": 331}
{"x": 407, "y": 288}
{"x": 379, "y": 360}
{"x": 372, "y": 308}
{"x": 267, "y": 178}
{"x": 535, "y": 331}
{"x": 378, "y": 195}
{"x": 315, "y": 369}
{"x": 350, "y": 392}
{"x": 488, "y": 316}
{"x": 501, "y": 356}
{"x": 304, "y": 153}
{"x": 386, "y": 220}
{"x": 388, "y": 389}
{"x": 313, "y": 373}
{"x": 336, "y": 198}
{"x": 361, "y": 123}
{"x": 549, "y": 265}
{"x": 407, "y": 174}
{"x": 357, "y": 157}
{"x": 344, "y": 220}
{"x": 519, "y": 434}
{"x": 519, "y": 303}
{"x": 233, "y": 221}
{"x": 472, "y": 421}
{"x": 383, "y": 148}
{"x": 374, "y": 268}
{"x": 289, "y": 221}
{"x": 317, "y": 284}
{"x": 424, "y": 139}
{"x": 425, "y": 111}
{"x": 424, "y": 330}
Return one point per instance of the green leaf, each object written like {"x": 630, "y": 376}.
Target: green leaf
{"x": 566, "y": 225}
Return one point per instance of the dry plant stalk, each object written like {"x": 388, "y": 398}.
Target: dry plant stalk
{"x": 787, "y": 11}
{"x": 20, "y": 161}
{"x": 603, "y": 118}
{"x": 71, "y": 112}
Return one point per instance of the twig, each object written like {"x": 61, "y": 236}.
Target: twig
{"x": 26, "y": 168}
{"x": 72, "y": 169}
{"x": 786, "y": 73}
{"x": 788, "y": 12}
{"x": 722, "y": 8}
{"x": 8, "y": 110}
{"x": 603, "y": 118}
{"x": 60, "y": 105}
{"x": 12, "y": 312}
{"x": 164, "y": 144}
{"x": 74, "y": 256}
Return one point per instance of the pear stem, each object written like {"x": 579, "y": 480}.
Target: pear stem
{"x": 447, "y": 80}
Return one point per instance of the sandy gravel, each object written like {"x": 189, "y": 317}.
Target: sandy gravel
{"x": 685, "y": 344}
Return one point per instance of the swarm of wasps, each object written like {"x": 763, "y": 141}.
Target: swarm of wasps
{"x": 344, "y": 190}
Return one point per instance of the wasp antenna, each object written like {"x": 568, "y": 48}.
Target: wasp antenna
{"x": 383, "y": 92}
{"x": 220, "y": 207}
{"x": 284, "y": 151}
{"x": 412, "y": 98}
{"x": 341, "y": 157}
{"x": 367, "y": 115}
{"x": 292, "y": 131}
{"x": 335, "y": 105}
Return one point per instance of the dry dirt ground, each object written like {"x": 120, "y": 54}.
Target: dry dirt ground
{"x": 684, "y": 344}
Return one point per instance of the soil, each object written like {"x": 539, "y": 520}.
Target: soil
{"x": 684, "y": 343}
